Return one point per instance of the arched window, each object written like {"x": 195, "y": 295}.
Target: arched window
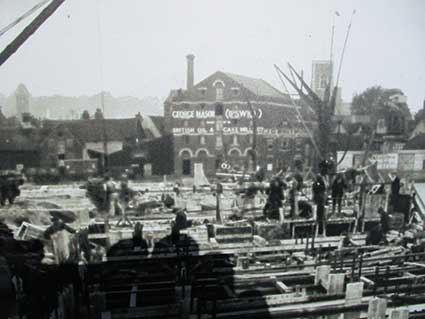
{"x": 202, "y": 154}
{"x": 202, "y": 140}
{"x": 234, "y": 158}
{"x": 219, "y": 109}
{"x": 234, "y": 155}
{"x": 235, "y": 140}
{"x": 219, "y": 90}
{"x": 251, "y": 154}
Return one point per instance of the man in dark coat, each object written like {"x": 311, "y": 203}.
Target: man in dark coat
{"x": 377, "y": 234}
{"x": 395, "y": 189}
{"x": 319, "y": 198}
{"x": 338, "y": 187}
{"x": 275, "y": 198}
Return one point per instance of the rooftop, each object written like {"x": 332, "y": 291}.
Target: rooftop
{"x": 257, "y": 86}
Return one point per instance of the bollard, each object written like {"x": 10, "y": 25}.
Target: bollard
{"x": 335, "y": 284}
{"x": 322, "y": 275}
{"x": 377, "y": 308}
{"x": 353, "y": 296}
{"x": 400, "y": 313}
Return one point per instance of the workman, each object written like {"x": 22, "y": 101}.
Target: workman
{"x": 319, "y": 198}
{"x": 338, "y": 188}
{"x": 275, "y": 198}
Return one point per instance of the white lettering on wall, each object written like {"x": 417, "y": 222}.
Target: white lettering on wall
{"x": 239, "y": 114}
{"x": 193, "y": 114}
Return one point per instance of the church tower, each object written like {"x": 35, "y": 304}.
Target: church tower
{"x": 22, "y": 96}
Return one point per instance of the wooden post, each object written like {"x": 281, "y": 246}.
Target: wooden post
{"x": 219, "y": 191}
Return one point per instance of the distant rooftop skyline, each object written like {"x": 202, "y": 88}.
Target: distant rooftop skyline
{"x": 138, "y": 48}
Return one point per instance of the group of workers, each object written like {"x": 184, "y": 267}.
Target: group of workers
{"x": 325, "y": 182}
{"x": 294, "y": 184}
{"x": 9, "y": 188}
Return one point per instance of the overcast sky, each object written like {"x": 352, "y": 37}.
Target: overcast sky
{"x": 140, "y": 46}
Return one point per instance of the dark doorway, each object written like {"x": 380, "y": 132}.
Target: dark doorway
{"x": 187, "y": 167}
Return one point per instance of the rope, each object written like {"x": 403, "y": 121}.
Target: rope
{"x": 22, "y": 17}
{"x": 343, "y": 49}
{"x": 300, "y": 116}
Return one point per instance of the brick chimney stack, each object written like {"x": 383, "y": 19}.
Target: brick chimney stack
{"x": 190, "y": 71}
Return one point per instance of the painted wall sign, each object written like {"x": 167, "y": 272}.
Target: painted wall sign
{"x": 239, "y": 130}
{"x": 193, "y": 131}
{"x": 242, "y": 114}
{"x": 193, "y": 114}
{"x": 210, "y": 114}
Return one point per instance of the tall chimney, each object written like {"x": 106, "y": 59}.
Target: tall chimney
{"x": 190, "y": 71}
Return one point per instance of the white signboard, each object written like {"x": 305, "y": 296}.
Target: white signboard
{"x": 386, "y": 161}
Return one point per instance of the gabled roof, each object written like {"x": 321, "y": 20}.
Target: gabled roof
{"x": 348, "y": 142}
{"x": 96, "y": 129}
{"x": 257, "y": 86}
{"x": 17, "y": 140}
{"x": 158, "y": 121}
{"x": 416, "y": 143}
{"x": 419, "y": 129}
{"x": 255, "y": 89}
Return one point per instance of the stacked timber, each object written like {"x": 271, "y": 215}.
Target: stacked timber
{"x": 233, "y": 234}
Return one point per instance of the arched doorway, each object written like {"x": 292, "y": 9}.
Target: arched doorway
{"x": 186, "y": 163}
{"x": 251, "y": 159}
{"x": 202, "y": 157}
{"x": 234, "y": 158}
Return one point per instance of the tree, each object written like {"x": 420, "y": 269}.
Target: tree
{"x": 419, "y": 115}
{"x": 375, "y": 101}
{"x": 85, "y": 115}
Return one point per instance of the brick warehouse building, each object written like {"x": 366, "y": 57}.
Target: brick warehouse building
{"x": 212, "y": 122}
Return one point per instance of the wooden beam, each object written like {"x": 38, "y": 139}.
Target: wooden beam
{"x": 29, "y": 30}
{"x": 367, "y": 281}
{"x": 282, "y": 287}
